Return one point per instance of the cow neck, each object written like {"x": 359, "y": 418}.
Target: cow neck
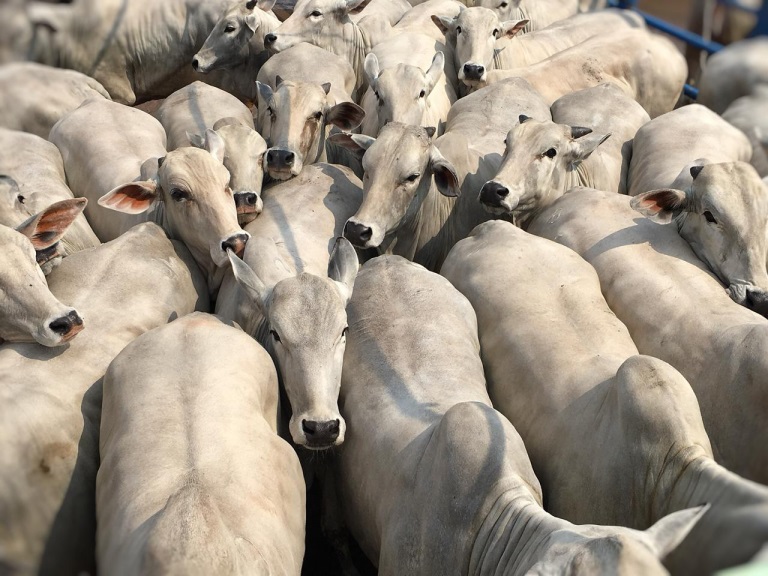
{"x": 358, "y": 44}
{"x": 513, "y": 536}
{"x": 691, "y": 477}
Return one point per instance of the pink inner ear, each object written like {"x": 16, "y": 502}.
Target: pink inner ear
{"x": 131, "y": 198}
{"x": 651, "y": 205}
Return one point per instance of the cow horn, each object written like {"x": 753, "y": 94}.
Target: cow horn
{"x": 523, "y": 118}
{"x": 251, "y": 4}
{"x": 430, "y": 130}
{"x": 278, "y": 81}
{"x": 579, "y": 131}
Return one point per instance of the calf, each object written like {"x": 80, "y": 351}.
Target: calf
{"x": 51, "y": 398}
{"x": 442, "y": 483}
{"x": 594, "y": 415}
{"x": 201, "y": 398}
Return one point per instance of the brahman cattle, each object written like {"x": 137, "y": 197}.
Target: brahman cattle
{"x": 50, "y": 399}
{"x": 594, "y": 415}
{"x": 442, "y": 483}
{"x": 201, "y": 397}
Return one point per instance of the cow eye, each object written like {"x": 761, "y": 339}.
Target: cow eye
{"x": 316, "y": 13}
{"x": 179, "y": 195}
{"x": 317, "y": 115}
{"x": 422, "y": 94}
{"x": 709, "y": 217}
{"x": 551, "y": 153}
{"x": 412, "y": 177}
{"x": 345, "y": 331}
{"x": 229, "y": 28}
{"x": 503, "y": 4}
{"x": 495, "y": 32}
{"x": 458, "y": 29}
{"x": 271, "y": 113}
{"x": 21, "y": 199}
{"x": 275, "y": 336}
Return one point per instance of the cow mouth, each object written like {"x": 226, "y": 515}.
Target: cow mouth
{"x": 76, "y": 329}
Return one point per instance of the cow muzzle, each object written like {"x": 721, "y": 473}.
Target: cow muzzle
{"x": 282, "y": 164}
{"x": 200, "y": 64}
{"x": 358, "y": 234}
{"x": 62, "y": 329}
{"x": 472, "y": 74}
{"x": 751, "y": 297}
{"x": 495, "y": 198}
{"x": 318, "y": 434}
{"x": 235, "y": 242}
{"x": 249, "y": 205}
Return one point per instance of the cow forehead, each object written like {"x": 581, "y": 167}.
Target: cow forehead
{"x": 193, "y": 166}
{"x": 300, "y": 95}
{"x": 477, "y": 18}
{"x": 399, "y": 77}
{"x": 238, "y": 137}
{"x": 306, "y": 307}
{"x": 318, "y": 5}
{"x": 534, "y": 133}
{"x": 733, "y": 188}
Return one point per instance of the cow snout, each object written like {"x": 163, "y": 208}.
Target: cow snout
{"x": 67, "y": 326}
{"x": 493, "y": 193}
{"x": 474, "y": 71}
{"x": 246, "y": 199}
{"x": 236, "y": 243}
{"x": 279, "y": 159}
{"x": 358, "y": 234}
{"x": 320, "y": 434}
{"x": 269, "y": 40}
{"x": 757, "y": 300}
{"x": 195, "y": 64}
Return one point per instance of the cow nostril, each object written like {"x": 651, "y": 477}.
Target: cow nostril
{"x": 270, "y": 156}
{"x": 246, "y": 199}
{"x": 235, "y": 243}
{"x": 289, "y": 158}
{"x": 62, "y": 326}
{"x": 269, "y": 39}
{"x": 195, "y": 64}
{"x": 309, "y": 427}
{"x": 365, "y": 234}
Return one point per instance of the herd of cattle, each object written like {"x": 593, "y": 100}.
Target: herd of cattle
{"x": 582, "y": 389}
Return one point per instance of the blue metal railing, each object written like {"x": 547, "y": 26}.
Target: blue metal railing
{"x": 695, "y": 40}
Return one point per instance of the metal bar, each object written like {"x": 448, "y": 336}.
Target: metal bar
{"x": 691, "y": 91}
{"x": 761, "y": 28}
{"x": 739, "y": 6}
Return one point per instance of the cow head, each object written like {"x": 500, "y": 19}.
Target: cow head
{"x": 28, "y": 310}
{"x": 473, "y": 35}
{"x": 307, "y": 330}
{"x": 317, "y": 22}
{"x": 199, "y": 208}
{"x": 237, "y": 35}
{"x": 400, "y": 166}
{"x": 403, "y": 90}
{"x": 13, "y": 204}
{"x": 296, "y": 119}
{"x": 504, "y": 9}
{"x": 536, "y": 164}
{"x": 723, "y": 215}
{"x": 602, "y": 550}
{"x": 244, "y": 151}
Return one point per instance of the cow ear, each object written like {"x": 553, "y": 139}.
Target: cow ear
{"x": 326, "y": 86}
{"x": 49, "y": 226}
{"x": 265, "y": 5}
{"x": 512, "y": 27}
{"x": 583, "y": 146}
{"x": 50, "y": 16}
{"x": 132, "y": 198}
{"x": 446, "y": 179}
{"x": 214, "y": 143}
{"x": 444, "y": 23}
{"x": 434, "y": 71}
{"x": 371, "y": 67}
{"x": 660, "y": 205}
{"x": 356, "y": 143}
{"x": 356, "y": 6}
{"x": 343, "y": 266}
{"x": 251, "y": 21}
{"x": 265, "y": 91}
{"x": 667, "y": 533}
{"x": 249, "y": 282}
{"x": 196, "y": 140}
{"x": 270, "y": 269}
{"x": 346, "y": 115}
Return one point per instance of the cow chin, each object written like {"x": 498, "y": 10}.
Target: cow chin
{"x": 282, "y": 173}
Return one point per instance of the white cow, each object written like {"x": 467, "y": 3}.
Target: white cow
{"x": 418, "y": 19}
{"x": 411, "y": 183}
{"x": 297, "y": 122}
{"x": 648, "y": 67}
{"x": 291, "y": 290}
{"x": 432, "y": 479}
{"x": 594, "y": 415}
{"x": 33, "y": 174}
{"x": 50, "y": 399}
{"x": 539, "y": 13}
{"x": 190, "y": 112}
{"x": 480, "y": 41}
{"x": 28, "y": 310}
{"x": 34, "y": 97}
{"x": 193, "y": 477}
{"x": 675, "y": 310}
{"x": 327, "y": 24}
{"x": 673, "y": 141}
{"x": 236, "y": 45}
{"x": 136, "y": 49}
{"x": 115, "y": 156}
{"x": 407, "y": 83}
{"x": 749, "y": 114}
{"x": 587, "y": 143}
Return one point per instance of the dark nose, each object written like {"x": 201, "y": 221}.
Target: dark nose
{"x": 757, "y": 301}
{"x": 356, "y": 233}
{"x": 492, "y": 193}
{"x": 64, "y": 325}
{"x": 474, "y": 71}
{"x": 269, "y": 39}
{"x": 320, "y": 433}
{"x": 244, "y": 199}
{"x": 236, "y": 243}
{"x": 195, "y": 64}
{"x": 277, "y": 158}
